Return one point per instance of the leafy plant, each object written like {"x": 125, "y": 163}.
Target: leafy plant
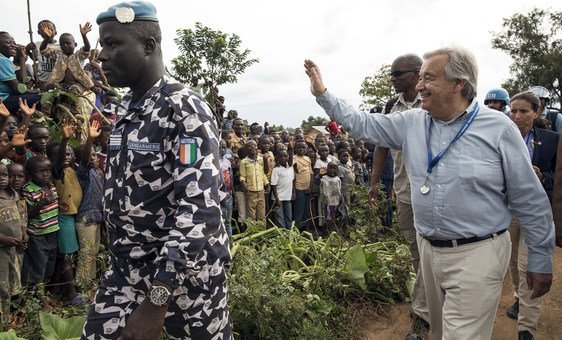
{"x": 56, "y": 328}
{"x": 10, "y": 335}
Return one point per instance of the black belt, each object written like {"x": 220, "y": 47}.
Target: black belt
{"x": 461, "y": 241}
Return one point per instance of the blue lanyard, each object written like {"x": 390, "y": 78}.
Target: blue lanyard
{"x": 528, "y": 142}
{"x": 432, "y": 161}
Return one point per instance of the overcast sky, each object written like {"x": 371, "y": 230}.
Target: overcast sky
{"x": 349, "y": 40}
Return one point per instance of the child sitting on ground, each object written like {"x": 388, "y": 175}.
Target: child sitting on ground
{"x": 11, "y": 237}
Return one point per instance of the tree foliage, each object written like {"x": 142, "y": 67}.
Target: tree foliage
{"x": 377, "y": 89}
{"x": 312, "y": 121}
{"x": 211, "y": 55}
{"x": 534, "y": 41}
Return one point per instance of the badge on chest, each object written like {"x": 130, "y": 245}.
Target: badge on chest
{"x": 188, "y": 150}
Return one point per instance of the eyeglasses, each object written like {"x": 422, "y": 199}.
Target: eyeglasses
{"x": 398, "y": 73}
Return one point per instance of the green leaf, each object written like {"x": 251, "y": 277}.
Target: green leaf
{"x": 56, "y": 328}
{"x": 357, "y": 265}
{"x": 10, "y": 335}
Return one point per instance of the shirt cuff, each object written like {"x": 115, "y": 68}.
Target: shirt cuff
{"x": 539, "y": 263}
{"x": 327, "y": 100}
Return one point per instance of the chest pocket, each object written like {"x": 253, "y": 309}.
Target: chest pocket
{"x": 479, "y": 167}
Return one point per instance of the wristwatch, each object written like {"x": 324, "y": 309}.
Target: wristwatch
{"x": 159, "y": 295}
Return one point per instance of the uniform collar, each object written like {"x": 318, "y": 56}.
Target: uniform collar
{"x": 129, "y": 109}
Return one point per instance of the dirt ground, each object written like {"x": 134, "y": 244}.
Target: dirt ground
{"x": 396, "y": 323}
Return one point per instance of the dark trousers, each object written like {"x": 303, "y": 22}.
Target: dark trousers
{"x": 301, "y": 211}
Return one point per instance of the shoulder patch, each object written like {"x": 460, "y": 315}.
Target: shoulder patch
{"x": 188, "y": 150}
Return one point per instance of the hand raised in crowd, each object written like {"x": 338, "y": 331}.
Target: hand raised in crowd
{"x": 18, "y": 139}
{"x": 23, "y": 52}
{"x": 316, "y": 84}
{"x": 47, "y": 30}
{"x": 4, "y": 112}
{"x": 86, "y": 28}
{"x": 94, "y": 131}
{"x": 25, "y": 109}
{"x": 68, "y": 128}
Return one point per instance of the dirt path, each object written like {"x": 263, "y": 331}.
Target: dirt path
{"x": 397, "y": 323}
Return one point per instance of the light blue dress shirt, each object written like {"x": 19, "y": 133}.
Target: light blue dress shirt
{"x": 482, "y": 175}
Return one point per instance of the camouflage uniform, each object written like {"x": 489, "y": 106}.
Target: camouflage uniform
{"x": 162, "y": 208}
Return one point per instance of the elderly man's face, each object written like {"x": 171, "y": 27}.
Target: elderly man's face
{"x": 435, "y": 91}
{"x": 123, "y": 56}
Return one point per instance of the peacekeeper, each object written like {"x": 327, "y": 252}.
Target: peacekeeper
{"x": 168, "y": 243}
{"x": 498, "y": 99}
{"x": 469, "y": 170}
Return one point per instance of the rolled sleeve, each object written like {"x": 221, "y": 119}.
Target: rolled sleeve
{"x": 379, "y": 129}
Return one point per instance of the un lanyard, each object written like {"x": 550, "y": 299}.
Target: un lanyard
{"x": 432, "y": 161}
{"x": 529, "y": 141}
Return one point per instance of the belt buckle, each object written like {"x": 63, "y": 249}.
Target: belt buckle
{"x": 454, "y": 242}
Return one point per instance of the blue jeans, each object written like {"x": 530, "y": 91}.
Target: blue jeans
{"x": 302, "y": 209}
{"x": 227, "y": 213}
{"x": 284, "y": 214}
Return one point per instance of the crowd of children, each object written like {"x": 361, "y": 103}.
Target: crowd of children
{"x": 51, "y": 193}
{"x": 280, "y": 178}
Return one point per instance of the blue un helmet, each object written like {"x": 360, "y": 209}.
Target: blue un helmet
{"x": 497, "y": 94}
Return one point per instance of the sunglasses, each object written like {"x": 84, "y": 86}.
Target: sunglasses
{"x": 398, "y": 73}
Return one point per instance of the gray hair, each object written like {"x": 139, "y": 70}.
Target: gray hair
{"x": 461, "y": 66}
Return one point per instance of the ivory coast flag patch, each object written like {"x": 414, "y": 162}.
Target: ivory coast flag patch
{"x": 188, "y": 150}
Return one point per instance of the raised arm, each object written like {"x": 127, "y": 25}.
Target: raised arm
{"x": 18, "y": 141}
{"x": 316, "y": 83}
{"x": 48, "y": 33}
{"x": 27, "y": 111}
{"x": 84, "y": 31}
{"x": 93, "y": 133}
{"x": 4, "y": 114}
{"x": 68, "y": 128}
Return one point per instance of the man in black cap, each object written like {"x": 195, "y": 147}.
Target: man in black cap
{"x": 169, "y": 247}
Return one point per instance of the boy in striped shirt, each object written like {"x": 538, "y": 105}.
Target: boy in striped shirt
{"x": 43, "y": 212}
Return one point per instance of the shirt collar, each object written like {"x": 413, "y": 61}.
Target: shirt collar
{"x": 129, "y": 109}
{"x": 463, "y": 116}
{"x": 403, "y": 101}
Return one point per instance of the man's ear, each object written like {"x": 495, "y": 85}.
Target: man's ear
{"x": 149, "y": 46}
{"x": 459, "y": 84}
